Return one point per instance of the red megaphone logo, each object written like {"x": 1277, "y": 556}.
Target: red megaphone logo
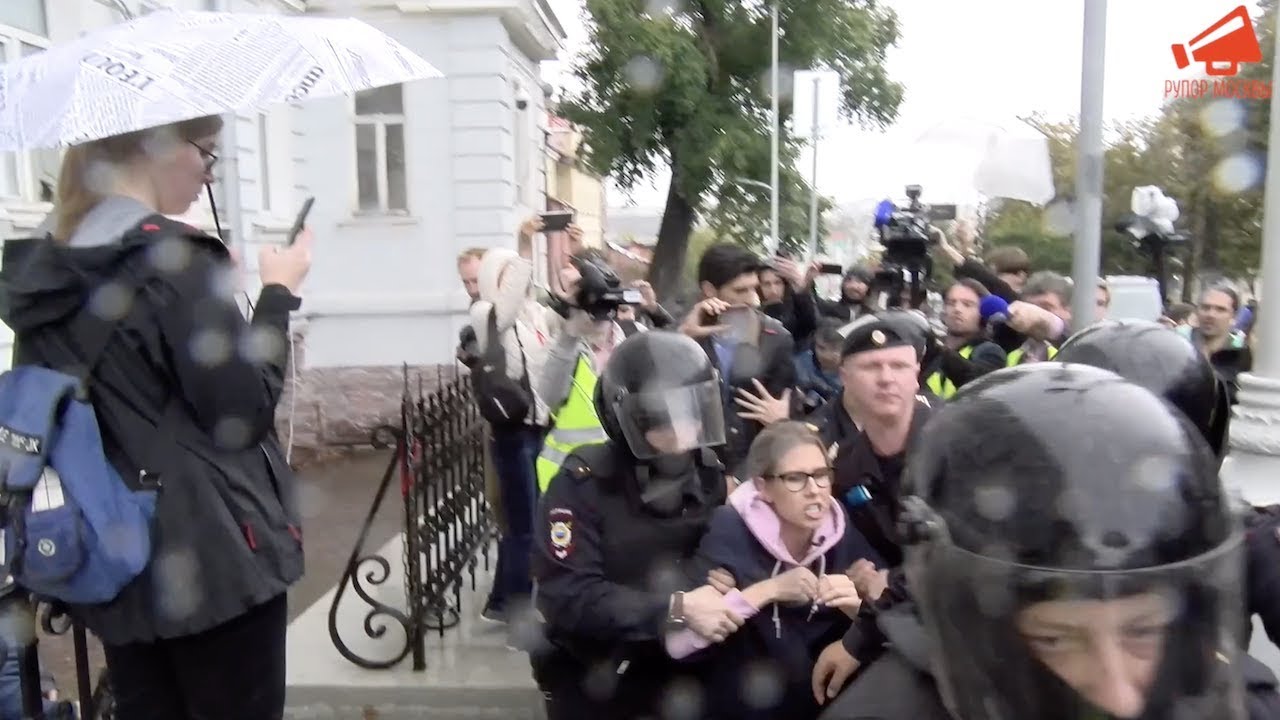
{"x": 1223, "y": 45}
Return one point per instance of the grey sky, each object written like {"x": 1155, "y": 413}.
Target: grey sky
{"x": 988, "y": 59}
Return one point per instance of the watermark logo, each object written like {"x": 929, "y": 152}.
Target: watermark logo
{"x": 1220, "y": 49}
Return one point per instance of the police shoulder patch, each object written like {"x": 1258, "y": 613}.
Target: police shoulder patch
{"x": 561, "y": 532}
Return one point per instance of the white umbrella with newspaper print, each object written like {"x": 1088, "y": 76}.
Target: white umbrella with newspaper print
{"x": 172, "y": 65}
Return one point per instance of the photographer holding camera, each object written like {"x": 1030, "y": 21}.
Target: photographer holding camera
{"x": 592, "y": 294}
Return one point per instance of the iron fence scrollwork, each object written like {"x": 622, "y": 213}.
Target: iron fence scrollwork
{"x": 439, "y": 459}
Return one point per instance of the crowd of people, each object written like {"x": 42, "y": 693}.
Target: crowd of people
{"x": 781, "y": 505}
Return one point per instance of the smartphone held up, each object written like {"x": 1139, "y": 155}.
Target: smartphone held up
{"x": 301, "y": 221}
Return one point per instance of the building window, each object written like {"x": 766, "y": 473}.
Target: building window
{"x": 25, "y": 15}
{"x": 31, "y": 175}
{"x": 264, "y": 161}
{"x": 380, "y": 176}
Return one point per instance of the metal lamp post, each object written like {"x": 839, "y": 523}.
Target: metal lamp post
{"x": 775, "y": 236}
{"x": 1253, "y": 462}
{"x": 1087, "y": 255}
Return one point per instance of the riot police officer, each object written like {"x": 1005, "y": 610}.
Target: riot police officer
{"x": 1072, "y": 554}
{"x": 617, "y": 529}
{"x": 1166, "y": 363}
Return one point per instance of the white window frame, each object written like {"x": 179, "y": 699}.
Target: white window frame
{"x": 380, "y": 122}
{"x": 520, "y": 144}
{"x": 11, "y": 41}
{"x": 266, "y": 193}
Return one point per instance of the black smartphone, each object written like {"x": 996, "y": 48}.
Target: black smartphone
{"x": 300, "y": 221}
{"x": 553, "y": 221}
{"x": 831, "y": 269}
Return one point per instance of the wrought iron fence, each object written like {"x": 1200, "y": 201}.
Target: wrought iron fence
{"x": 439, "y": 459}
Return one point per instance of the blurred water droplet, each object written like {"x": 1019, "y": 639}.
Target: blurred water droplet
{"x": 99, "y": 177}
{"x": 232, "y": 432}
{"x": 178, "y": 583}
{"x": 1237, "y": 173}
{"x": 657, "y": 8}
{"x": 601, "y": 681}
{"x": 1060, "y": 218}
{"x": 1222, "y": 117}
{"x": 312, "y": 499}
{"x": 17, "y": 625}
{"x": 994, "y": 502}
{"x": 169, "y": 255}
{"x": 644, "y": 74}
{"x": 762, "y": 684}
{"x": 786, "y": 82}
{"x": 224, "y": 282}
{"x": 682, "y": 700}
{"x": 111, "y": 301}
{"x": 210, "y": 347}
{"x": 262, "y": 344}
{"x": 665, "y": 576}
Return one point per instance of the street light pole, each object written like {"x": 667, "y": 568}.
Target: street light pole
{"x": 1254, "y": 457}
{"x": 775, "y": 237}
{"x": 1089, "y": 154}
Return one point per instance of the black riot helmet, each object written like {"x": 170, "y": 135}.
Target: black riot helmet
{"x": 1073, "y": 553}
{"x": 1162, "y": 361}
{"x": 659, "y": 395}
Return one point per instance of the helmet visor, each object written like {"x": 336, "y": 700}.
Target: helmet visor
{"x": 1047, "y": 643}
{"x": 673, "y": 420}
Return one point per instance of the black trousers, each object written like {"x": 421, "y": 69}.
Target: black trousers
{"x": 574, "y": 691}
{"x": 235, "y": 671}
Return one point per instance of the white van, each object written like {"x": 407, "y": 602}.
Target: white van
{"x": 1134, "y": 297}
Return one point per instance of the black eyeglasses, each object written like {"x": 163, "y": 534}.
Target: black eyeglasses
{"x": 209, "y": 158}
{"x": 797, "y": 481}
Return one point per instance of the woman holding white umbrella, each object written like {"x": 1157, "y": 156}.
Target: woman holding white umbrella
{"x": 185, "y": 390}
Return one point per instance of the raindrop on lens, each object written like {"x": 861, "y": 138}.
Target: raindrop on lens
{"x": 1237, "y": 173}
{"x": 210, "y": 348}
{"x": 682, "y": 700}
{"x": 644, "y": 74}
{"x": 169, "y": 255}
{"x": 1222, "y": 117}
{"x": 111, "y": 301}
{"x": 178, "y": 584}
{"x": 232, "y": 432}
{"x": 762, "y": 685}
{"x": 262, "y": 344}
{"x": 1059, "y": 217}
{"x": 994, "y": 502}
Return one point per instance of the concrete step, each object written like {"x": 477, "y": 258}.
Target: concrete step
{"x": 470, "y": 672}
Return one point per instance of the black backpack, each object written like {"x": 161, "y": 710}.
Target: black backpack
{"x": 502, "y": 401}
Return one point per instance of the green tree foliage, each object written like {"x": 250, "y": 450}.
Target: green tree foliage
{"x": 1206, "y": 152}
{"x": 688, "y": 88}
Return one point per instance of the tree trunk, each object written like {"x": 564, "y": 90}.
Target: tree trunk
{"x": 667, "y": 267}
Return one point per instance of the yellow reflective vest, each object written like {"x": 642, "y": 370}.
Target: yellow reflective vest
{"x": 1015, "y": 357}
{"x": 573, "y": 425}
{"x": 940, "y": 384}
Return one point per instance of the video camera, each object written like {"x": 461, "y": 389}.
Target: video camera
{"x": 600, "y": 292}
{"x": 905, "y": 265}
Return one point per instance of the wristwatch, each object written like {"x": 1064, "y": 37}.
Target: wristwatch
{"x": 675, "y": 612}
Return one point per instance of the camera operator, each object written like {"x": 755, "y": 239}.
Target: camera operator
{"x": 964, "y": 353}
{"x": 576, "y": 357}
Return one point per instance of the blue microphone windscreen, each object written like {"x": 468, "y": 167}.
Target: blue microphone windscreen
{"x": 993, "y": 305}
{"x": 884, "y": 212}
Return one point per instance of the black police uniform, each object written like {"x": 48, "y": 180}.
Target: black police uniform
{"x": 619, "y": 526}
{"x": 1053, "y": 482}
{"x": 867, "y": 483}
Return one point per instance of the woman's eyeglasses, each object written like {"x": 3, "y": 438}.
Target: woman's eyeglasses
{"x": 797, "y": 481}
{"x": 209, "y": 158}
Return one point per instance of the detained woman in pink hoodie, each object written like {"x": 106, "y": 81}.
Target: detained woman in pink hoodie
{"x": 787, "y": 544}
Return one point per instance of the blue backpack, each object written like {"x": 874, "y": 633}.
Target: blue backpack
{"x": 70, "y": 528}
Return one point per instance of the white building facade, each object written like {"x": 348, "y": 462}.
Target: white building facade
{"x": 407, "y": 177}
